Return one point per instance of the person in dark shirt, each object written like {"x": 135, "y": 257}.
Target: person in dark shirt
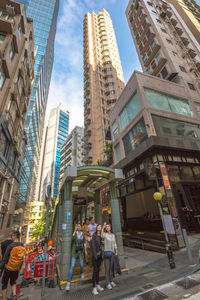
{"x": 3, "y": 248}
{"x": 5, "y": 244}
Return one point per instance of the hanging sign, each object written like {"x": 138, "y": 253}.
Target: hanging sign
{"x": 69, "y": 215}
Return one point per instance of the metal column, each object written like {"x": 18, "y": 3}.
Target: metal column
{"x": 116, "y": 222}
{"x": 98, "y": 208}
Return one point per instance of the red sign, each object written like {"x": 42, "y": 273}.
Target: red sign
{"x": 38, "y": 269}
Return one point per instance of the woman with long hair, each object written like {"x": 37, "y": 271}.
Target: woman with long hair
{"x": 96, "y": 260}
{"x": 110, "y": 248}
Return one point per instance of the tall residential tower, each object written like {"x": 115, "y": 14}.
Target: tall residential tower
{"x": 44, "y": 15}
{"x": 103, "y": 82}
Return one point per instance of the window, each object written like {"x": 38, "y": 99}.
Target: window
{"x": 112, "y": 92}
{"x": 169, "y": 41}
{"x": 149, "y": 70}
{"x": 149, "y": 3}
{"x": 182, "y": 69}
{"x": 180, "y": 129}
{"x": 154, "y": 12}
{"x": 158, "y": 21}
{"x": 109, "y": 84}
{"x": 117, "y": 153}
{"x": 145, "y": 58}
{"x": 141, "y": 14}
{"x": 2, "y": 37}
{"x": 148, "y": 33}
{"x": 135, "y": 137}
{"x": 19, "y": 30}
{"x": 168, "y": 103}
{"x": 107, "y": 69}
{"x": 130, "y": 111}
{"x": 107, "y": 63}
{"x": 2, "y": 77}
{"x": 137, "y": 37}
{"x": 197, "y": 105}
{"x": 115, "y": 130}
{"x": 141, "y": 47}
{"x": 11, "y": 50}
{"x": 153, "y": 45}
{"x": 163, "y": 30}
{"x": 105, "y": 45}
{"x": 134, "y": 28}
{"x": 111, "y": 101}
{"x": 175, "y": 53}
{"x": 164, "y": 73}
{"x": 4, "y": 143}
{"x": 1, "y": 220}
{"x": 158, "y": 57}
{"x": 191, "y": 86}
{"x": 144, "y": 24}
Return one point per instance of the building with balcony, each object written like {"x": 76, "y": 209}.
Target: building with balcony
{"x": 56, "y": 134}
{"x": 44, "y": 15}
{"x": 16, "y": 83}
{"x": 103, "y": 83}
{"x": 72, "y": 150}
{"x": 166, "y": 45}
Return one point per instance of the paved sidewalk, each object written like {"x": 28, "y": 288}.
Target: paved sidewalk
{"x": 144, "y": 276}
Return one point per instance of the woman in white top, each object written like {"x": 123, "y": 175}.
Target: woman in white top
{"x": 110, "y": 248}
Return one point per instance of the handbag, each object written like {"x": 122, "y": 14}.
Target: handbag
{"x": 107, "y": 254}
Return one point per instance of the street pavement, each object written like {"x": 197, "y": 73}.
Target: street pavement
{"x": 148, "y": 271}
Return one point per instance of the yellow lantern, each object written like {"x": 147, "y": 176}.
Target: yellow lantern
{"x": 157, "y": 196}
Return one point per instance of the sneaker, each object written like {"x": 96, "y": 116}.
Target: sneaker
{"x": 113, "y": 284}
{"x": 109, "y": 286}
{"x": 99, "y": 288}
{"x": 67, "y": 288}
{"x": 82, "y": 276}
{"x": 95, "y": 292}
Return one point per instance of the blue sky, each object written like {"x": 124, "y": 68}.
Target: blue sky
{"x": 67, "y": 77}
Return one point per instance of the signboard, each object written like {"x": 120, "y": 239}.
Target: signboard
{"x": 80, "y": 201}
{"x": 69, "y": 215}
{"x": 169, "y": 224}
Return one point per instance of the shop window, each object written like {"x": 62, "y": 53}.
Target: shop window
{"x": 186, "y": 173}
{"x": 196, "y": 171}
{"x": 130, "y": 111}
{"x": 135, "y": 137}
{"x": 179, "y": 129}
{"x": 173, "y": 173}
{"x": 115, "y": 130}
{"x": 117, "y": 153}
{"x": 168, "y": 103}
{"x": 2, "y": 77}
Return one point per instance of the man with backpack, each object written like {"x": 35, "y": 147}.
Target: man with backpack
{"x": 78, "y": 247}
{"x": 12, "y": 262}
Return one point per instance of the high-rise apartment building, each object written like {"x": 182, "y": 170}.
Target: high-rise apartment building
{"x": 44, "y": 15}
{"x": 57, "y": 132}
{"x": 16, "y": 83}
{"x": 72, "y": 150}
{"x": 165, "y": 44}
{"x": 103, "y": 82}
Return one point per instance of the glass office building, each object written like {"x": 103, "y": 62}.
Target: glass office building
{"x": 57, "y": 132}
{"x": 44, "y": 15}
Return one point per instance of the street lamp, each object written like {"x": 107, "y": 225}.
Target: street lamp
{"x": 158, "y": 197}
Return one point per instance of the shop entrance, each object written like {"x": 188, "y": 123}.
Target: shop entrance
{"x": 188, "y": 202}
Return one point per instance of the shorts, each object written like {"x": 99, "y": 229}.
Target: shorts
{"x": 12, "y": 275}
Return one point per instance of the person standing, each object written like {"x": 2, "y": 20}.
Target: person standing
{"x": 85, "y": 225}
{"x": 96, "y": 260}
{"x": 12, "y": 263}
{"x": 78, "y": 246}
{"x": 110, "y": 248}
{"x": 92, "y": 226}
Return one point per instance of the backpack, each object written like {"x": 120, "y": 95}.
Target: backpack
{"x": 79, "y": 243}
{"x": 16, "y": 258}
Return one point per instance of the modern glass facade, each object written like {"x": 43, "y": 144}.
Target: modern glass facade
{"x": 44, "y": 15}
{"x": 63, "y": 128}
